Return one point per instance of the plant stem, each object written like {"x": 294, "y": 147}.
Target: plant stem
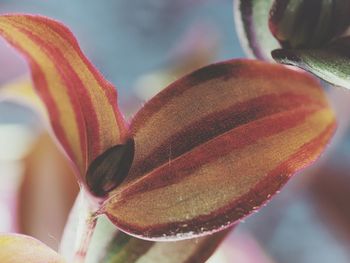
{"x": 86, "y": 232}
{"x": 80, "y": 228}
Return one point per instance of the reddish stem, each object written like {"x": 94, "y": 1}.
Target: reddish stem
{"x": 86, "y": 225}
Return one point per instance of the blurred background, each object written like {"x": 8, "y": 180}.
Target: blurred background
{"x": 141, "y": 46}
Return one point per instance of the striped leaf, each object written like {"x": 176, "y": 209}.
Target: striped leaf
{"x": 251, "y": 19}
{"x": 82, "y": 105}
{"x": 308, "y": 24}
{"x": 19, "y": 248}
{"x": 215, "y": 145}
{"x": 330, "y": 63}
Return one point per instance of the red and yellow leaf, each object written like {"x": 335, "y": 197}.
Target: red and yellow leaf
{"x": 82, "y": 105}
{"x": 215, "y": 145}
{"x": 19, "y": 248}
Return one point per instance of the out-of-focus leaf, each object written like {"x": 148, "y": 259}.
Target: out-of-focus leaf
{"x": 215, "y": 145}
{"x": 109, "y": 245}
{"x": 308, "y": 24}
{"x": 47, "y": 192}
{"x": 251, "y": 18}
{"x": 19, "y": 248}
{"x": 82, "y": 105}
{"x": 330, "y": 63}
{"x": 330, "y": 188}
{"x": 21, "y": 90}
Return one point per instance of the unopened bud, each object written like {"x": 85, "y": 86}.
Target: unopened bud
{"x": 109, "y": 169}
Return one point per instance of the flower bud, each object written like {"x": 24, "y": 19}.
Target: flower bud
{"x": 109, "y": 169}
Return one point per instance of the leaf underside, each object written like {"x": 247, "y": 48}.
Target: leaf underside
{"x": 330, "y": 63}
{"x": 124, "y": 248}
{"x": 251, "y": 19}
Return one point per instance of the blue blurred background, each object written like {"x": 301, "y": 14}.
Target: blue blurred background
{"x": 139, "y": 45}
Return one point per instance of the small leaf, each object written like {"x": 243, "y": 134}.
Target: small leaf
{"x": 330, "y": 63}
{"x": 82, "y": 105}
{"x": 108, "y": 170}
{"x": 215, "y": 145}
{"x": 251, "y": 17}
{"x": 16, "y": 248}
